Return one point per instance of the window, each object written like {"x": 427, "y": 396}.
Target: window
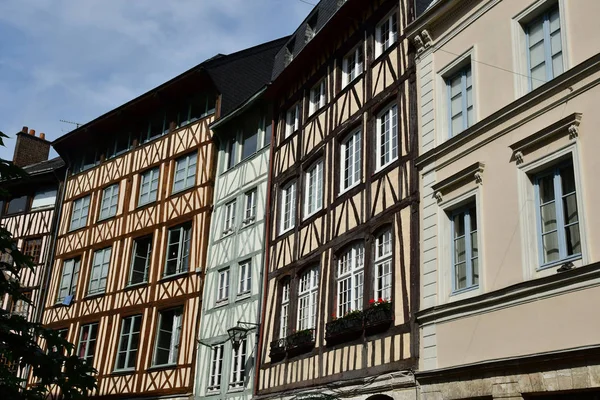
{"x": 17, "y": 205}
{"x": 32, "y": 248}
{"x": 148, "y": 187}
{"x": 386, "y": 34}
{"x": 387, "y": 137}
{"x": 317, "y": 97}
{"x": 178, "y": 250}
{"x": 229, "y": 218}
{"x": 558, "y": 214}
{"x": 350, "y": 280}
{"x": 314, "y": 189}
{"x": 99, "y": 274}
{"x": 110, "y": 199}
{"x": 460, "y": 101}
{"x": 87, "y": 342}
{"x": 307, "y": 299}
{"x": 157, "y": 127}
{"x": 250, "y": 212}
{"x": 231, "y": 154}
{"x": 465, "y": 249}
{"x": 288, "y": 207}
{"x": 140, "y": 260}
{"x": 238, "y": 365}
{"x": 383, "y": 266}
{"x": 129, "y": 342}
{"x": 544, "y": 48}
{"x": 80, "y": 211}
{"x": 44, "y": 199}
{"x": 285, "y": 308}
{"x": 185, "y": 172}
{"x": 292, "y": 120}
{"x": 245, "y": 276}
{"x": 120, "y": 144}
{"x": 216, "y": 368}
{"x": 352, "y": 65}
{"x": 351, "y": 160}
{"x": 88, "y": 160}
{"x": 21, "y": 306}
{"x": 223, "y": 285}
{"x": 68, "y": 280}
{"x": 167, "y": 337}
{"x": 267, "y": 129}
{"x": 249, "y": 141}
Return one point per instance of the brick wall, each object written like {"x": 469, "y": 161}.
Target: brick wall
{"x": 30, "y": 149}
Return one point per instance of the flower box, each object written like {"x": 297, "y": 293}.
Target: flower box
{"x": 277, "y": 350}
{"x": 379, "y": 317}
{"x": 343, "y": 329}
{"x": 300, "y": 342}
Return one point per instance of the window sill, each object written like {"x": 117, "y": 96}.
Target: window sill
{"x": 559, "y": 263}
{"x": 146, "y": 205}
{"x": 349, "y": 188}
{"x": 94, "y": 295}
{"x": 236, "y": 388}
{"x": 312, "y": 214}
{"x": 161, "y": 367}
{"x": 174, "y": 276}
{"x": 227, "y": 233}
{"x": 384, "y": 167}
{"x": 182, "y": 191}
{"x": 248, "y": 224}
{"x": 74, "y": 230}
{"x": 244, "y": 295}
{"x": 101, "y": 220}
{"x": 128, "y": 371}
{"x": 350, "y": 84}
{"x": 385, "y": 52}
{"x": 463, "y": 291}
{"x": 134, "y": 286}
{"x": 283, "y": 232}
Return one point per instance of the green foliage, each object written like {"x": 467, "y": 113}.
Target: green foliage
{"x": 58, "y": 367}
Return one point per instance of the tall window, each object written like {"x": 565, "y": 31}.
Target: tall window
{"x": 307, "y": 299}
{"x": 21, "y": 306}
{"x": 387, "y": 136}
{"x": 383, "y": 266}
{"x": 285, "y": 308}
{"x": 178, "y": 249}
{"x": 465, "y": 249}
{"x": 250, "y": 207}
{"x": 386, "y": 34}
{"x": 140, "y": 260}
{"x": 350, "y": 280}
{"x": 68, "y": 280}
{"x": 87, "y": 342}
{"x": 216, "y": 368}
{"x": 231, "y": 153}
{"x": 229, "y": 217}
{"x": 351, "y": 160}
{"x": 110, "y": 199}
{"x": 185, "y": 172}
{"x": 79, "y": 214}
{"x": 288, "y": 207}
{"x": 128, "y": 342}
{"x": 292, "y": 120}
{"x": 33, "y": 248}
{"x": 556, "y": 196}
{"x": 238, "y": 365}
{"x": 44, "y": 198}
{"x": 245, "y": 276}
{"x": 149, "y": 186}
{"x": 352, "y": 65}
{"x": 99, "y": 274}
{"x": 314, "y": 189}
{"x": 544, "y": 48}
{"x": 17, "y": 205}
{"x": 317, "y": 97}
{"x": 168, "y": 336}
{"x": 223, "y": 285}
{"x": 249, "y": 140}
{"x": 460, "y": 101}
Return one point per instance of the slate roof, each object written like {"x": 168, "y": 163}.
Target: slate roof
{"x": 422, "y": 5}
{"x": 44, "y": 166}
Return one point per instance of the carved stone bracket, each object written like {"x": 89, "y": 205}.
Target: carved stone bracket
{"x": 472, "y": 173}
{"x": 422, "y": 41}
{"x": 574, "y": 131}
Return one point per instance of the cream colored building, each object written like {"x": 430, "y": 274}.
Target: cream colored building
{"x": 508, "y": 117}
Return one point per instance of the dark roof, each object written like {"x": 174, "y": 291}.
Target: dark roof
{"x": 318, "y": 17}
{"x": 422, "y": 5}
{"x": 44, "y": 166}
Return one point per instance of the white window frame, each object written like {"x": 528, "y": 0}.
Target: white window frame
{"x": 79, "y": 213}
{"x": 353, "y": 65}
{"x": 468, "y": 218}
{"x": 292, "y": 120}
{"x": 387, "y": 135}
{"x": 249, "y": 207}
{"x": 317, "y": 97}
{"x": 229, "y": 214}
{"x": 69, "y": 277}
{"x": 110, "y": 201}
{"x": 245, "y": 282}
{"x": 223, "y": 279}
{"x": 45, "y": 198}
{"x": 87, "y": 344}
{"x": 216, "y": 368}
{"x": 383, "y": 273}
{"x": 465, "y": 87}
{"x": 350, "y": 279}
{"x": 352, "y": 162}
{"x": 148, "y": 186}
{"x": 308, "y": 292}
{"x": 99, "y": 271}
{"x": 174, "y": 333}
{"x": 186, "y": 166}
{"x": 288, "y": 207}
{"x": 131, "y": 348}
{"x": 182, "y": 259}
{"x": 384, "y": 43}
{"x": 313, "y": 194}
{"x": 285, "y": 309}
{"x": 147, "y": 258}
{"x": 238, "y": 364}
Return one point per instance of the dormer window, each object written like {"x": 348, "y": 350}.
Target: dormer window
{"x": 311, "y": 27}
{"x": 289, "y": 51}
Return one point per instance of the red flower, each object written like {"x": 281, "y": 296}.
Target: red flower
{"x": 380, "y": 300}
{"x": 372, "y": 301}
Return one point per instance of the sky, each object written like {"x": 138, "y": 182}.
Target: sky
{"x": 76, "y": 60}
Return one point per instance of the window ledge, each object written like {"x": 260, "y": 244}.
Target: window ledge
{"x": 128, "y": 371}
{"x": 146, "y": 205}
{"x": 378, "y": 58}
{"x": 101, "y": 220}
{"x": 174, "y": 276}
{"x": 349, "y": 188}
{"x": 560, "y": 262}
{"x": 94, "y": 295}
{"x": 182, "y": 191}
{"x": 222, "y": 302}
{"x": 235, "y": 388}
{"x": 135, "y": 286}
{"x": 349, "y": 85}
{"x": 385, "y": 166}
{"x": 161, "y": 367}
{"x": 283, "y": 232}
{"x": 244, "y": 295}
{"x": 463, "y": 291}
{"x": 74, "y": 230}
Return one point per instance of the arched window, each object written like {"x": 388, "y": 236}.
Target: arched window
{"x": 383, "y": 265}
{"x": 350, "y": 279}
{"x": 308, "y": 289}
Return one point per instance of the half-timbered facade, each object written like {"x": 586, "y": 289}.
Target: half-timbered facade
{"x": 510, "y": 272}
{"x": 131, "y": 251}
{"x": 342, "y": 265}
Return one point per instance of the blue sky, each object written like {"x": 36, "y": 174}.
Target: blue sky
{"x": 75, "y": 60}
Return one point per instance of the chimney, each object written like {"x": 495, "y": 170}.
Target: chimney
{"x": 30, "y": 149}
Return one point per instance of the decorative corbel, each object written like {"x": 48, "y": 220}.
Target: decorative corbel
{"x": 426, "y": 38}
{"x": 573, "y": 131}
{"x": 419, "y": 44}
{"x": 518, "y": 157}
{"x": 478, "y": 177}
{"x": 438, "y": 196}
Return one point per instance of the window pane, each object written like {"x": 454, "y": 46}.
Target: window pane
{"x": 17, "y": 205}
{"x": 546, "y": 188}
{"x": 548, "y": 213}
{"x": 250, "y": 142}
{"x": 538, "y": 76}
{"x": 573, "y": 240}
{"x": 537, "y": 54}
{"x": 570, "y": 209}
{"x": 536, "y": 32}
{"x": 461, "y": 276}
{"x": 44, "y": 198}
{"x": 550, "y": 247}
